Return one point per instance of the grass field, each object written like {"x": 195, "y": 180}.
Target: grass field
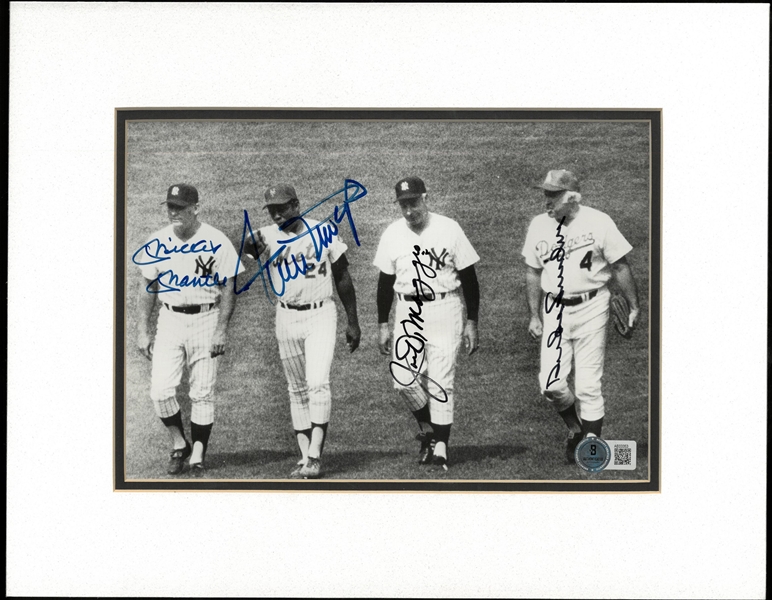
{"x": 479, "y": 173}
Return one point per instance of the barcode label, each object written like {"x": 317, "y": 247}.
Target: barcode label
{"x": 623, "y": 453}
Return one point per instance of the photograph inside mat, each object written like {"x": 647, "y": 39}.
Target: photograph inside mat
{"x": 416, "y": 299}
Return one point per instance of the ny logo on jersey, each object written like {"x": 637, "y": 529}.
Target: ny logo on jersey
{"x": 205, "y": 268}
{"x": 436, "y": 259}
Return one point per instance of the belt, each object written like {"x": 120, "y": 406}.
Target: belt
{"x": 193, "y": 309}
{"x": 576, "y": 300}
{"x": 302, "y": 306}
{"x": 407, "y": 298}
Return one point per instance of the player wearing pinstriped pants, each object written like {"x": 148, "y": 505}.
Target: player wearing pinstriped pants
{"x": 427, "y": 260}
{"x": 186, "y": 266}
{"x": 306, "y": 317}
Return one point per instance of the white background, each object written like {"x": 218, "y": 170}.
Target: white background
{"x": 73, "y": 64}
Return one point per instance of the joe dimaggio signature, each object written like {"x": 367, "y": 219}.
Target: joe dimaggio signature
{"x": 409, "y": 347}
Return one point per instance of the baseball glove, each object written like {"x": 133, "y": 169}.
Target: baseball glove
{"x": 620, "y": 314}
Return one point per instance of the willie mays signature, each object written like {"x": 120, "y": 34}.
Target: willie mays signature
{"x": 321, "y": 234}
{"x": 409, "y": 347}
{"x": 558, "y": 254}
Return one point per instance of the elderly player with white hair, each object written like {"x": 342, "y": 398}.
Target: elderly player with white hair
{"x": 572, "y": 252}
{"x": 426, "y": 260}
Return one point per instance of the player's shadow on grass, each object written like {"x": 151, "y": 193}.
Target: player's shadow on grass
{"x": 354, "y": 460}
{"x": 464, "y": 454}
{"x": 258, "y": 456}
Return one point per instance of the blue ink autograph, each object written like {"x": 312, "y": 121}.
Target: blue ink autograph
{"x": 558, "y": 254}
{"x": 322, "y": 235}
{"x": 409, "y": 347}
{"x": 157, "y": 251}
{"x": 172, "y": 280}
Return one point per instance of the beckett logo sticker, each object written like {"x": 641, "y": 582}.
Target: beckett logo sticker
{"x": 592, "y": 454}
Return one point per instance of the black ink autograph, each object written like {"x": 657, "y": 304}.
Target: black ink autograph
{"x": 409, "y": 347}
{"x": 558, "y": 254}
{"x": 322, "y": 235}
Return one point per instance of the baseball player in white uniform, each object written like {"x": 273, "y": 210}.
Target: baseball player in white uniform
{"x": 425, "y": 258}
{"x": 306, "y": 317}
{"x": 572, "y": 252}
{"x": 186, "y": 266}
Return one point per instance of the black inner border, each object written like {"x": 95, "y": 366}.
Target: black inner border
{"x": 651, "y": 115}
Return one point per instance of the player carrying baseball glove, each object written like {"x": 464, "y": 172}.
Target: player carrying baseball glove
{"x": 620, "y": 315}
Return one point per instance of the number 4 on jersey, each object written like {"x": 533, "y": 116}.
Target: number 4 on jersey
{"x": 586, "y": 261}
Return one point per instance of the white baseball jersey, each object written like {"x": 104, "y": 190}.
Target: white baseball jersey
{"x": 591, "y": 242}
{"x": 306, "y": 337}
{"x": 188, "y": 273}
{"x": 574, "y": 337}
{"x": 191, "y": 272}
{"x": 297, "y": 272}
{"x": 446, "y": 249}
{"x": 448, "y": 252}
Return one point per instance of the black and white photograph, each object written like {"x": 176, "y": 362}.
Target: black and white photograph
{"x": 387, "y": 300}
{"x": 389, "y": 296}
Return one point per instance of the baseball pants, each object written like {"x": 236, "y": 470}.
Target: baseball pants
{"x": 306, "y": 346}
{"x": 443, "y": 328}
{"x": 182, "y": 338}
{"x": 583, "y": 349}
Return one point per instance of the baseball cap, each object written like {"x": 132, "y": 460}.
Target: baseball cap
{"x": 279, "y": 194}
{"x": 409, "y": 188}
{"x": 181, "y": 194}
{"x": 559, "y": 180}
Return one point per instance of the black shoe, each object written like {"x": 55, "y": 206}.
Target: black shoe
{"x": 440, "y": 462}
{"x": 427, "y": 448}
{"x": 177, "y": 459}
{"x": 574, "y": 437}
{"x": 197, "y": 469}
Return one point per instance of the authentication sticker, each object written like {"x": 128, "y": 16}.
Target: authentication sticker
{"x": 623, "y": 455}
{"x": 592, "y": 454}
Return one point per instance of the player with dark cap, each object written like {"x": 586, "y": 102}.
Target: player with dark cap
{"x": 427, "y": 261}
{"x": 306, "y": 318}
{"x": 186, "y": 266}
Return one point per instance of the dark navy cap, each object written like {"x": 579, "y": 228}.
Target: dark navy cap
{"x": 279, "y": 194}
{"x": 181, "y": 194}
{"x": 409, "y": 188}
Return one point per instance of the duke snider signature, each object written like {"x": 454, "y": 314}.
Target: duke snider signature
{"x": 409, "y": 347}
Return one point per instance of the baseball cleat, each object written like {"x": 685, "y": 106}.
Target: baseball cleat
{"x": 295, "y": 474}
{"x": 197, "y": 469}
{"x": 312, "y": 469}
{"x": 177, "y": 459}
{"x": 427, "y": 449}
{"x": 441, "y": 462}
{"x": 574, "y": 437}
